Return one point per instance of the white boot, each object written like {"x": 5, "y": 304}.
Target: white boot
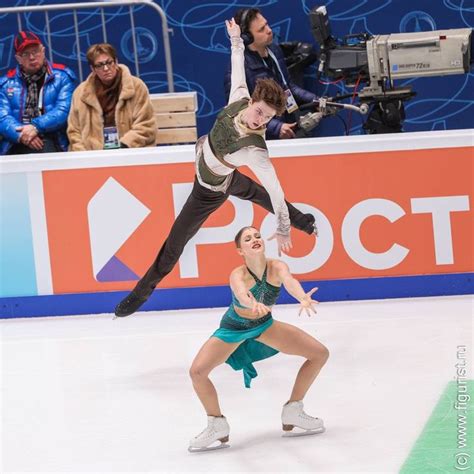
{"x": 293, "y": 416}
{"x": 217, "y": 431}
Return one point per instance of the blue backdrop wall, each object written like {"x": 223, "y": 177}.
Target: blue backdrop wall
{"x": 200, "y": 50}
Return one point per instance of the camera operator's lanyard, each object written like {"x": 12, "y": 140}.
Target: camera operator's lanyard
{"x": 291, "y": 105}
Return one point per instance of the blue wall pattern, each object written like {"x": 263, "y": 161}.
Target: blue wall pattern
{"x": 200, "y": 48}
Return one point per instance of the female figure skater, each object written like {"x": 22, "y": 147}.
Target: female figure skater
{"x": 248, "y": 333}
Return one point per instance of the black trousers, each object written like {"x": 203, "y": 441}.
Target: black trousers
{"x": 200, "y": 204}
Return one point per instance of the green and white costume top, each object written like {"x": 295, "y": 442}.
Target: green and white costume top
{"x": 262, "y": 291}
{"x": 231, "y": 144}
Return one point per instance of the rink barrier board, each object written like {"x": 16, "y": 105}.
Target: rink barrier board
{"x": 58, "y": 259}
{"x": 220, "y": 296}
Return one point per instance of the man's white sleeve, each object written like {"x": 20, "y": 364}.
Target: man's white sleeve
{"x": 238, "y": 84}
{"x": 260, "y": 164}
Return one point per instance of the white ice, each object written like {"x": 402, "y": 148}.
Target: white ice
{"x": 92, "y": 394}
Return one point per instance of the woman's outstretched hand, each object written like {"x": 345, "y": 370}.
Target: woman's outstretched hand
{"x": 258, "y": 309}
{"x": 308, "y": 304}
{"x": 233, "y": 29}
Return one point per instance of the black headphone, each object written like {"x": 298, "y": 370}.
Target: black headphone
{"x": 244, "y": 30}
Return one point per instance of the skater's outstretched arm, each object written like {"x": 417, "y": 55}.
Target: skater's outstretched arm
{"x": 295, "y": 289}
{"x": 238, "y": 87}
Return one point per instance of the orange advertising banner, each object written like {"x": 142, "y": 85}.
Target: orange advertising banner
{"x": 378, "y": 213}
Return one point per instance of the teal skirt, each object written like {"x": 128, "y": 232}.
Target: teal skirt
{"x": 234, "y": 328}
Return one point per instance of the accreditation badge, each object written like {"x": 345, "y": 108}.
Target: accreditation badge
{"x": 291, "y": 105}
{"x": 111, "y": 138}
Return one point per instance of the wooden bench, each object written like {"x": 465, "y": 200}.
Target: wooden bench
{"x": 175, "y": 117}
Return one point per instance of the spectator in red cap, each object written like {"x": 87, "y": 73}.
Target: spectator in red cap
{"x": 35, "y": 98}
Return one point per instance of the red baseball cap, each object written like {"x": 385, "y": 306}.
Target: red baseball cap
{"x": 24, "y": 39}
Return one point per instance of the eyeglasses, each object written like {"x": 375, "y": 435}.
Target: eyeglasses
{"x": 102, "y": 64}
{"x": 34, "y": 53}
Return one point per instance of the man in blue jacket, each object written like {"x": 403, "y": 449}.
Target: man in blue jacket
{"x": 35, "y": 98}
{"x": 265, "y": 60}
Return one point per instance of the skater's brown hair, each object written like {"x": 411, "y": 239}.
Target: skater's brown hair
{"x": 268, "y": 91}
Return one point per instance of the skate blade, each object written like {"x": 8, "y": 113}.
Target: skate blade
{"x": 120, "y": 317}
{"x": 294, "y": 433}
{"x": 210, "y": 448}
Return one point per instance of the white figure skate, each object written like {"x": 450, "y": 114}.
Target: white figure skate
{"x": 293, "y": 416}
{"x": 213, "y": 437}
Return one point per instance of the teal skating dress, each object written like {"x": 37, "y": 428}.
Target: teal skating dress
{"x": 234, "y": 328}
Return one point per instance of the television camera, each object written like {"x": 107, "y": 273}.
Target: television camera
{"x": 377, "y": 61}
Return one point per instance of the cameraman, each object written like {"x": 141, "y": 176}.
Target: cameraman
{"x": 265, "y": 60}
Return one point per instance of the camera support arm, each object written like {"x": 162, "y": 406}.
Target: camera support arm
{"x": 325, "y": 106}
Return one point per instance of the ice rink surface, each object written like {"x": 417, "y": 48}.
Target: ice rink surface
{"x": 92, "y": 394}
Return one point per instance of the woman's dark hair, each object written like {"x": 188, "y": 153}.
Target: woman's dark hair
{"x": 238, "y": 236}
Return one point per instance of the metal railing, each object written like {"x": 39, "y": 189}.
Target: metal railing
{"x": 104, "y": 4}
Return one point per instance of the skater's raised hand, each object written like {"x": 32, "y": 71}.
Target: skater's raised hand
{"x": 283, "y": 242}
{"x": 308, "y": 304}
{"x": 233, "y": 29}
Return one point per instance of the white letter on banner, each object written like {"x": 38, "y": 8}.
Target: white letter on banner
{"x": 188, "y": 262}
{"x": 440, "y": 208}
{"x": 351, "y": 234}
{"x": 322, "y": 248}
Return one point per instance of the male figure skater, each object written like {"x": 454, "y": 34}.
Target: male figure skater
{"x": 236, "y": 139}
